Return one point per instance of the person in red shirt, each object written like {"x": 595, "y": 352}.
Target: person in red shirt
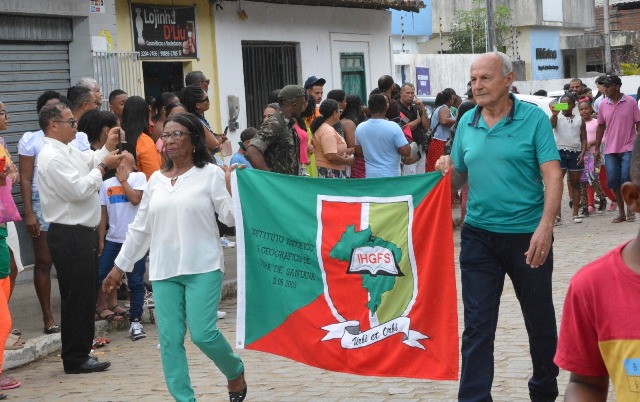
{"x": 599, "y": 334}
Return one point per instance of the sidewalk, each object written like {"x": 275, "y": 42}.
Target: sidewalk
{"x": 136, "y": 372}
{"x": 27, "y": 315}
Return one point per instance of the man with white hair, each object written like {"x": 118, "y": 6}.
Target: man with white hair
{"x": 93, "y": 85}
{"x": 506, "y": 150}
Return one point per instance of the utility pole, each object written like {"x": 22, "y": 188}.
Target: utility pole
{"x": 491, "y": 28}
{"x": 607, "y": 41}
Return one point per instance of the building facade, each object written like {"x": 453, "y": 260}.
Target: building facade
{"x": 268, "y": 46}
{"x": 544, "y": 34}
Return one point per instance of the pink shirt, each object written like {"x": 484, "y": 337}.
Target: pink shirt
{"x": 620, "y": 119}
{"x": 304, "y": 143}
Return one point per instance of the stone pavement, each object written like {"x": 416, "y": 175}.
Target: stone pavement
{"x": 136, "y": 372}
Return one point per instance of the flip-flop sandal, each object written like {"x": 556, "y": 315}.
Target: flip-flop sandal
{"x": 14, "y": 342}
{"x": 9, "y": 383}
{"x": 119, "y": 315}
{"x": 106, "y": 316}
{"x": 54, "y": 329}
{"x": 618, "y": 219}
{"x": 16, "y": 331}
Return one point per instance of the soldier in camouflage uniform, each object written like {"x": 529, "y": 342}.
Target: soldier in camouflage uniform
{"x": 276, "y": 146}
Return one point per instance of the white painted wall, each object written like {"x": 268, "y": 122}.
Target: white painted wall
{"x": 445, "y": 70}
{"x": 630, "y": 84}
{"x": 323, "y": 32}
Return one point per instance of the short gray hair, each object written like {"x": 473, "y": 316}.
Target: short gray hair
{"x": 407, "y": 84}
{"x": 507, "y": 67}
{"x": 87, "y": 82}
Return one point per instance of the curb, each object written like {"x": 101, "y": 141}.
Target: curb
{"x": 42, "y": 346}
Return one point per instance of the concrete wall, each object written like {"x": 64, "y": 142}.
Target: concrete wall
{"x": 322, "y": 33}
{"x": 575, "y": 13}
{"x": 445, "y": 70}
{"x": 630, "y": 84}
{"x": 411, "y": 44}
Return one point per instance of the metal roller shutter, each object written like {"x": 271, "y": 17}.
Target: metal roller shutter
{"x": 26, "y": 71}
{"x": 35, "y": 57}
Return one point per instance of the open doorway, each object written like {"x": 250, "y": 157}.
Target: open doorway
{"x": 162, "y": 77}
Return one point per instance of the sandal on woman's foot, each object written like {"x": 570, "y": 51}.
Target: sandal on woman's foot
{"x": 16, "y": 331}
{"x": 14, "y": 342}
{"x": 120, "y": 313}
{"x": 8, "y": 383}
{"x": 54, "y": 329}
{"x": 106, "y": 314}
{"x": 619, "y": 219}
{"x": 238, "y": 396}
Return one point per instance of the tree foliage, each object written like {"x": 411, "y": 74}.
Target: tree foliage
{"x": 469, "y": 31}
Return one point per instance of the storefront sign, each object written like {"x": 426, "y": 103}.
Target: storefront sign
{"x": 546, "y": 54}
{"x": 161, "y": 32}
{"x": 423, "y": 85}
{"x": 96, "y": 6}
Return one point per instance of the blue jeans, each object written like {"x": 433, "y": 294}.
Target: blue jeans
{"x": 485, "y": 258}
{"x": 135, "y": 279}
{"x": 618, "y": 169}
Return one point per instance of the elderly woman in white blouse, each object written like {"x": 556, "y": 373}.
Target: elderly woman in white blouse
{"x": 177, "y": 223}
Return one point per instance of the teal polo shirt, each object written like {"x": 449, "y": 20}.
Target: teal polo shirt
{"x": 506, "y": 192}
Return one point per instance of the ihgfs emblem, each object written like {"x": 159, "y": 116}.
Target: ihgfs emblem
{"x": 370, "y": 247}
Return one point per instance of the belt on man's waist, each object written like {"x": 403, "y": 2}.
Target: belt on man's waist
{"x": 76, "y": 227}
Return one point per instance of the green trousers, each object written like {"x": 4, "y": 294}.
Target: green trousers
{"x": 191, "y": 299}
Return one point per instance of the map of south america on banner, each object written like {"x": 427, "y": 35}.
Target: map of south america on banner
{"x": 354, "y": 276}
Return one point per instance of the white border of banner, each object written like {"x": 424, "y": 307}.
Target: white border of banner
{"x": 241, "y": 264}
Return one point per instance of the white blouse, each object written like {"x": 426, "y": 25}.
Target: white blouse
{"x": 567, "y": 132}
{"x": 178, "y": 224}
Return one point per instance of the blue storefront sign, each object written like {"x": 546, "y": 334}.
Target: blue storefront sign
{"x": 546, "y": 56}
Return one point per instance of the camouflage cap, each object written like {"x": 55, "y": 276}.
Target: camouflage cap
{"x": 291, "y": 91}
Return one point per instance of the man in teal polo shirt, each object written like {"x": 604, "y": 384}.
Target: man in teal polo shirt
{"x": 506, "y": 151}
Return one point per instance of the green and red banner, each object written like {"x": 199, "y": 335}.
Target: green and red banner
{"x": 355, "y": 276}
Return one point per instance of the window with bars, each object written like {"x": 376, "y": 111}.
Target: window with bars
{"x": 267, "y": 66}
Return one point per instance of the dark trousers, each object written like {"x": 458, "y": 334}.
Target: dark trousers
{"x": 485, "y": 258}
{"x": 74, "y": 251}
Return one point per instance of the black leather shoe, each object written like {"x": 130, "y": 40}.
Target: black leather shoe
{"x": 90, "y": 366}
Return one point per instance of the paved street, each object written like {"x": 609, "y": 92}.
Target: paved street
{"x": 136, "y": 372}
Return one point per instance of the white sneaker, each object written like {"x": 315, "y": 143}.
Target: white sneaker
{"x": 136, "y": 331}
{"x": 226, "y": 243}
{"x": 221, "y": 314}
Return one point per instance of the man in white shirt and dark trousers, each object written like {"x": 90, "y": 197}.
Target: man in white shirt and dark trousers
{"x": 69, "y": 182}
